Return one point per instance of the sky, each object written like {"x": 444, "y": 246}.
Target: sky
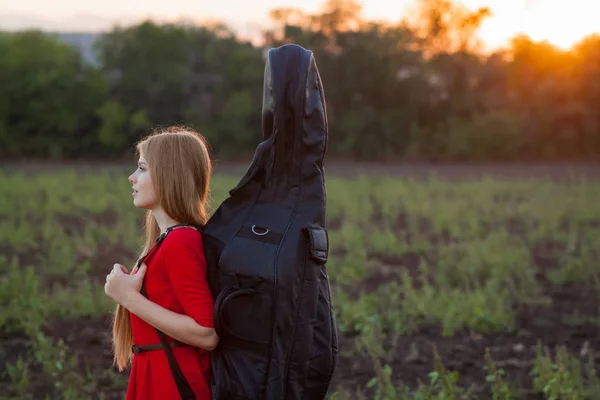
{"x": 560, "y": 22}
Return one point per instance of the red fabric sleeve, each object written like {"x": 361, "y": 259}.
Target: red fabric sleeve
{"x": 186, "y": 268}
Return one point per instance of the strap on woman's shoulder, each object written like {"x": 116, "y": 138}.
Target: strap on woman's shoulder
{"x": 163, "y": 235}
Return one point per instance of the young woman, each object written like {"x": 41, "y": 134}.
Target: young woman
{"x": 171, "y": 182}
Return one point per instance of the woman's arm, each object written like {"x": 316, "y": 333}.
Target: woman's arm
{"x": 178, "y": 326}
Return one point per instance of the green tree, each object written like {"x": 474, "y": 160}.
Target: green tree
{"x": 47, "y": 96}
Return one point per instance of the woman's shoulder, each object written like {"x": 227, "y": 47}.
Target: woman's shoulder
{"x": 181, "y": 243}
{"x": 185, "y": 235}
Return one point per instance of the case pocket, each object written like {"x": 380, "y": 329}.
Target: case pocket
{"x": 243, "y": 313}
{"x": 239, "y": 363}
{"x": 242, "y": 318}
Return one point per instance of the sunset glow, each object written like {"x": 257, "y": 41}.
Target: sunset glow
{"x": 559, "y": 22}
{"x": 562, "y": 23}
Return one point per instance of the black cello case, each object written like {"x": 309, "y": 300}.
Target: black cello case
{"x": 266, "y": 248}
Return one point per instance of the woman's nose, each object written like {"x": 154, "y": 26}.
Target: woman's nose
{"x": 131, "y": 178}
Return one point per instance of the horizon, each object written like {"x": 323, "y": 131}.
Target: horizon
{"x": 535, "y": 18}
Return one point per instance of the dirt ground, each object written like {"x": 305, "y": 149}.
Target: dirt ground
{"x": 412, "y": 358}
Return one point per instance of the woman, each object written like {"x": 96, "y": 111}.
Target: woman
{"x": 171, "y": 182}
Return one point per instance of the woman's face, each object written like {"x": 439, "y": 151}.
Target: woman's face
{"x": 144, "y": 195}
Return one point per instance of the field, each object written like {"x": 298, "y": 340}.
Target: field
{"x": 455, "y": 282}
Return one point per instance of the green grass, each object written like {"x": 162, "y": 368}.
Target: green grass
{"x": 404, "y": 253}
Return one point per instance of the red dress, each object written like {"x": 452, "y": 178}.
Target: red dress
{"x": 176, "y": 280}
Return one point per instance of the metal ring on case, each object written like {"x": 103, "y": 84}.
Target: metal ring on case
{"x": 259, "y": 234}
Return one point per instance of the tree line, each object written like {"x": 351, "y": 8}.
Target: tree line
{"x": 405, "y": 91}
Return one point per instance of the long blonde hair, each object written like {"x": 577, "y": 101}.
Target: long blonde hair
{"x": 180, "y": 168}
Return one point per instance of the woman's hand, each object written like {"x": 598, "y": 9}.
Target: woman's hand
{"x": 120, "y": 285}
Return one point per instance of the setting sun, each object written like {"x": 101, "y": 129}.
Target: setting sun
{"x": 560, "y": 23}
